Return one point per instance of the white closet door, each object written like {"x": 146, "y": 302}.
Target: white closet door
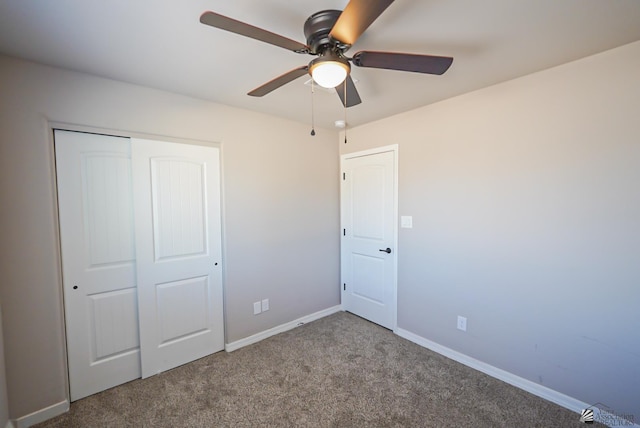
{"x": 178, "y": 252}
{"x": 98, "y": 260}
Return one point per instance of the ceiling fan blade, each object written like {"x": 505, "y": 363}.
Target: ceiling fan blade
{"x": 353, "y": 98}
{"x": 224, "y": 23}
{"x": 356, "y": 18}
{"x": 279, "y": 81}
{"x": 404, "y": 62}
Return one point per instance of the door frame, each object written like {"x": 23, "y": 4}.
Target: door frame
{"x": 51, "y": 126}
{"x": 389, "y": 148}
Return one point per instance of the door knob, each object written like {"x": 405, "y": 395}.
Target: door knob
{"x": 388, "y": 250}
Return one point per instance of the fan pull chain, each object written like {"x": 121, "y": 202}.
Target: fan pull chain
{"x": 313, "y": 130}
{"x": 345, "y": 111}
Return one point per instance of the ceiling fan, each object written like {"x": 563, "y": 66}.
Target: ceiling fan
{"x": 330, "y": 33}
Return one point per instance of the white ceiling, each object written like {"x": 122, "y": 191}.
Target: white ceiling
{"x": 161, "y": 44}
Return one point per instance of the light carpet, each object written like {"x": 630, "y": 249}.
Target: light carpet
{"x": 339, "y": 371}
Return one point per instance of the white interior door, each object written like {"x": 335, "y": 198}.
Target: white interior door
{"x": 369, "y": 236}
{"x": 98, "y": 260}
{"x": 178, "y": 252}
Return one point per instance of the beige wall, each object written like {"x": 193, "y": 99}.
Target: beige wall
{"x": 280, "y": 208}
{"x": 526, "y": 219}
{"x": 523, "y": 195}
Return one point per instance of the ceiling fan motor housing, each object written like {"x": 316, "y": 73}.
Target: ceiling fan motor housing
{"x": 317, "y": 28}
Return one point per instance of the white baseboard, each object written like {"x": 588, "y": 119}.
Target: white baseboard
{"x": 230, "y": 347}
{"x": 505, "y": 376}
{"x": 41, "y": 415}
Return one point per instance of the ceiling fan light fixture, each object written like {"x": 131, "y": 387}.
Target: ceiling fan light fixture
{"x": 329, "y": 70}
{"x": 329, "y": 34}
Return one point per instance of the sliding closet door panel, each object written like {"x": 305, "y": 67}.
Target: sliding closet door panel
{"x": 178, "y": 252}
{"x": 98, "y": 260}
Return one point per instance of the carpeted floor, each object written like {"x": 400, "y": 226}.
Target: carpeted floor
{"x": 339, "y": 371}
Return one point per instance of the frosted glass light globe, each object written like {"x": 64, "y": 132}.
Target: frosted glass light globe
{"x": 329, "y": 74}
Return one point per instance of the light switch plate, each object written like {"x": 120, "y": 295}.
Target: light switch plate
{"x": 406, "y": 221}
{"x": 257, "y": 308}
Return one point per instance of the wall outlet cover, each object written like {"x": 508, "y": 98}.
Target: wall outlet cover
{"x": 462, "y": 323}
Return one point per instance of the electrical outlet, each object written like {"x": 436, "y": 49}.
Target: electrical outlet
{"x": 257, "y": 308}
{"x": 265, "y": 305}
{"x": 462, "y": 323}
